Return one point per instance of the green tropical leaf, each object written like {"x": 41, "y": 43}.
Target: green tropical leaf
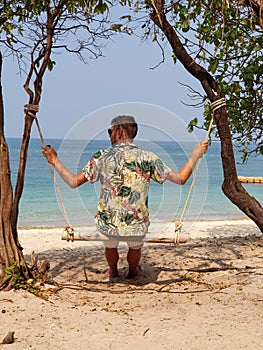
{"x": 128, "y": 218}
{"x": 134, "y": 197}
{"x": 116, "y": 27}
{"x": 192, "y": 124}
{"x": 101, "y": 8}
{"x": 124, "y": 191}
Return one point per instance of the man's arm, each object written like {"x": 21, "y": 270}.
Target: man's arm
{"x": 71, "y": 179}
{"x": 180, "y": 177}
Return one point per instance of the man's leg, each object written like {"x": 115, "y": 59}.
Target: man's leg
{"x": 133, "y": 258}
{"x": 112, "y": 257}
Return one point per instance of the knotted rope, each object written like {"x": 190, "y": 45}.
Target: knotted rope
{"x": 31, "y": 109}
{"x": 179, "y": 223}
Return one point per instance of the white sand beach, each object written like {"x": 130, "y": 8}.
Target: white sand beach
{"x": 206, "y": 293}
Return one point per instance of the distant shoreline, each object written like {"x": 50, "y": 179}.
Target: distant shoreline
{"x": 230, "y": 220}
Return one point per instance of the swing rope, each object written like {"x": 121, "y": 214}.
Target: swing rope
{"x": 179, "y": 223}
{"x": 31, "y": 110}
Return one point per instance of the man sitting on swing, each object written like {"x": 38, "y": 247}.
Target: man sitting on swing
{"x": 124, "y": 172}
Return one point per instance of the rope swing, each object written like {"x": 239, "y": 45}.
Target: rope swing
{"x": 179, "y": 223}
{"x": 31, "y": 110}
{"x": 70, "y": 234}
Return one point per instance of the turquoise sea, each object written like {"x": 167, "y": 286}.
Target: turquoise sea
{"x": 40, "y": 205}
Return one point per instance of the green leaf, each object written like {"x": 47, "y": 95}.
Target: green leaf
{"x": 185, "y": 25}
{"x": 101, "y": 8}
{"x": 128, "y": 17}
{"x": 174, "y": 58}
{"x": 192, "y": 124}
{"x": 51, "y": 65}
{"x": 213, "y": 66}
{"x": 116, "y": 27}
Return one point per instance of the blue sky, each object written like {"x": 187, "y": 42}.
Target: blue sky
{"x": 81, "y": 99}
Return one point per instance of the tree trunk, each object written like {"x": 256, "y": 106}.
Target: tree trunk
{"x": 257, "y": 6}
{"x": 10, "y": 250}
{"x": 21, "y": 173}
{"x": 232, "y": 187}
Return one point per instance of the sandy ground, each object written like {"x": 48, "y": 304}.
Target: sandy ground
{"x": 203, "y": 294}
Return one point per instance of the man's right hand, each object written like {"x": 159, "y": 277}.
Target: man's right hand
{"x": 200, "y": 149}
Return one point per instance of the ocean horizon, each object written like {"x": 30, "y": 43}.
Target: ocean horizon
{"x": 39, "y": 205}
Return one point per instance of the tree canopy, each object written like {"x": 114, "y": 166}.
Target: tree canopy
{"x": 227, "y": 39}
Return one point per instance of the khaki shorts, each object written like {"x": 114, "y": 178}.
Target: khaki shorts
{"x": 113, "y": 242}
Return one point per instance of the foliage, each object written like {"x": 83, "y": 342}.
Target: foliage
{"x": 14, "y": 274}
{"x": 76, "y": 26}
{"x": 226, "y": 38}
{"x": 231, "y": 46}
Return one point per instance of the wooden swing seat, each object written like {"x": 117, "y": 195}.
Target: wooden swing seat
{"x": 163, "y": 233}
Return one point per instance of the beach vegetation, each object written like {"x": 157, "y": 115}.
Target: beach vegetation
{"x": 16, "y": 279}
{"x": 38, "y": 285}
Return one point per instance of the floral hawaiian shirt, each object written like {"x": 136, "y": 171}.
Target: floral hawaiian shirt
{"x": 124, "y": 172}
